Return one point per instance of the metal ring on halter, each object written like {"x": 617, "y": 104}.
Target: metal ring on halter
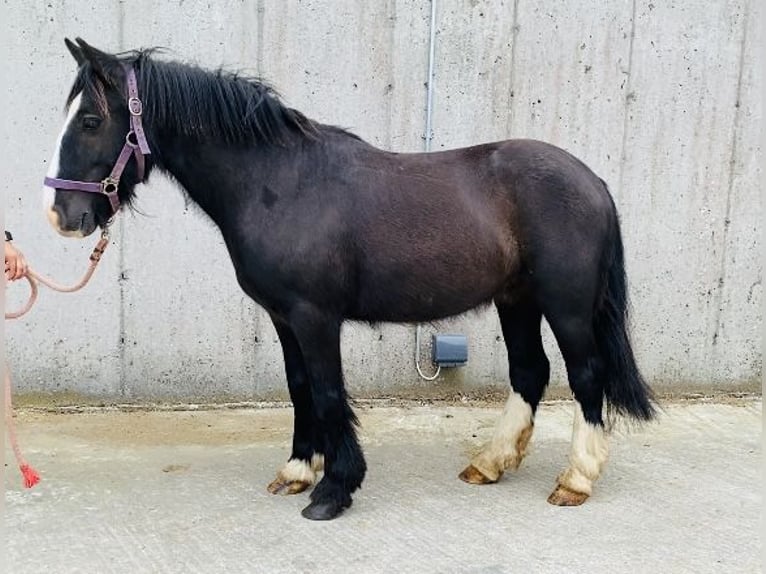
{"x": 109, "y": 186}
{"x": 131, "y": 142}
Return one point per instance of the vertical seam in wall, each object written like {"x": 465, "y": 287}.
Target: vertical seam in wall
{"x": 429, "y": 128}
{"x": 260, "y": 17}
{"x": 121, "y": 232}
{"x": 256, "y": 341}
{"x": 730, "y": 181}
{"x": 121, "y": 26}
{"x": 430, "y": 74}
{"x": 627, "y": 100}
{"x": 512, "y": 80}
{"x": 389, "y": 94}
{"x": 499, "y": 368}
{"x": 121, "y": 283}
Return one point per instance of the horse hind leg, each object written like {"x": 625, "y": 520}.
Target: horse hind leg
{"x": 529, "y": 372}
{"x": 588, "y": 454}
{"x": 589, "y": 449}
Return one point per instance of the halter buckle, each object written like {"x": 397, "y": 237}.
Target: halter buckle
{"x": 135, "y": 106}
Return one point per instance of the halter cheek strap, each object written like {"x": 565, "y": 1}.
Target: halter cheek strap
{"x": 135, "y": 145}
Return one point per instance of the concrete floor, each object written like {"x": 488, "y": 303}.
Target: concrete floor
{"x": 156, "y": 492}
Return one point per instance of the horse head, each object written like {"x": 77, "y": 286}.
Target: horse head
{"x": 93, "y": 170}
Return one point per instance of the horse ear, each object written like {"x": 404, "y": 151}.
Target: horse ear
{"x": 75, "y": 51}
{"x": 102, "y": 63}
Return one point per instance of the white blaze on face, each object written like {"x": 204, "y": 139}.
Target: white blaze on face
{"x": 49, "y": 194}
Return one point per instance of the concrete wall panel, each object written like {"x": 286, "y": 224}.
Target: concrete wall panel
{"x": 660, "y": 99}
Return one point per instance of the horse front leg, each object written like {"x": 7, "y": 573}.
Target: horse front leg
{"x": 306, "y": 459}
{"x": 318, "y": 335}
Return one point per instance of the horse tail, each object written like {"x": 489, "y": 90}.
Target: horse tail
{"x": 625, "y": 390}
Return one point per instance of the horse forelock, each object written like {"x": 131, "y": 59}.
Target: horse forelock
{"x": 88, "y": 83}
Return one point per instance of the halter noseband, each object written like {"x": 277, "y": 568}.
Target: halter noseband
{"x": 135, "y": 144}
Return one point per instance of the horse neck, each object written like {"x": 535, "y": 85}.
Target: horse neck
{"x": 216, "y": 176}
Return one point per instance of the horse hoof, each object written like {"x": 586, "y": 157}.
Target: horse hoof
{"x": 563, "y": 496}
{"x": 326, "y": 510}
{"x": 286, "y": 487}
{"x": 473, "y": 475}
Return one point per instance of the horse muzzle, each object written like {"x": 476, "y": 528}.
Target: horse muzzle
{"x": 80, "y": 224}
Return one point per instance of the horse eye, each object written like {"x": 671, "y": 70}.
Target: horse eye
{"x": 91, "y": 122}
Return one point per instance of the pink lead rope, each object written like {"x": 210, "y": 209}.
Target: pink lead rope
{"x": 31, "y": 476}
{"x": 136, "y": 146}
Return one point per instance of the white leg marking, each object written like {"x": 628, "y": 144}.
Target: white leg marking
{"x": 317, "y": 462}
{"x": 49, "y": 194}
{"x": 509, "y": 440}
{"x": 297, "y": 471}
{"x": 587, "y": 457}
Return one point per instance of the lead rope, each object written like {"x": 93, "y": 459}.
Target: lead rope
{"x": 31, "y": 476}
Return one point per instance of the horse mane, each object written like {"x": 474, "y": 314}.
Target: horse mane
{"x": 217, "y": 105}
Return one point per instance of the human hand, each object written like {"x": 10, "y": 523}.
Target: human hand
{"x": 15, "y": 264}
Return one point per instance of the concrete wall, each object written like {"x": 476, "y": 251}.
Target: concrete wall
{"x": 662, "y": 99}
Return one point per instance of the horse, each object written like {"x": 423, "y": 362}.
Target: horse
{"x": 323, "y": 228}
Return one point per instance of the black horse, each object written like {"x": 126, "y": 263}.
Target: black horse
{"x": 322, "y": 227}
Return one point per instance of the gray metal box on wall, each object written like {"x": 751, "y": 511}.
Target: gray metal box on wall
{"x": 449, "y": 350}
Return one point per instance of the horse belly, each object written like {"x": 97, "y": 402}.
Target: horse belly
{"x": 432, "y": 286}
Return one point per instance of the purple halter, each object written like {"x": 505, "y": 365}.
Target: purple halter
{"x": 135, "y": 144}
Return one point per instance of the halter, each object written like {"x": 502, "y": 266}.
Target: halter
{"x": 135, "y": 144}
